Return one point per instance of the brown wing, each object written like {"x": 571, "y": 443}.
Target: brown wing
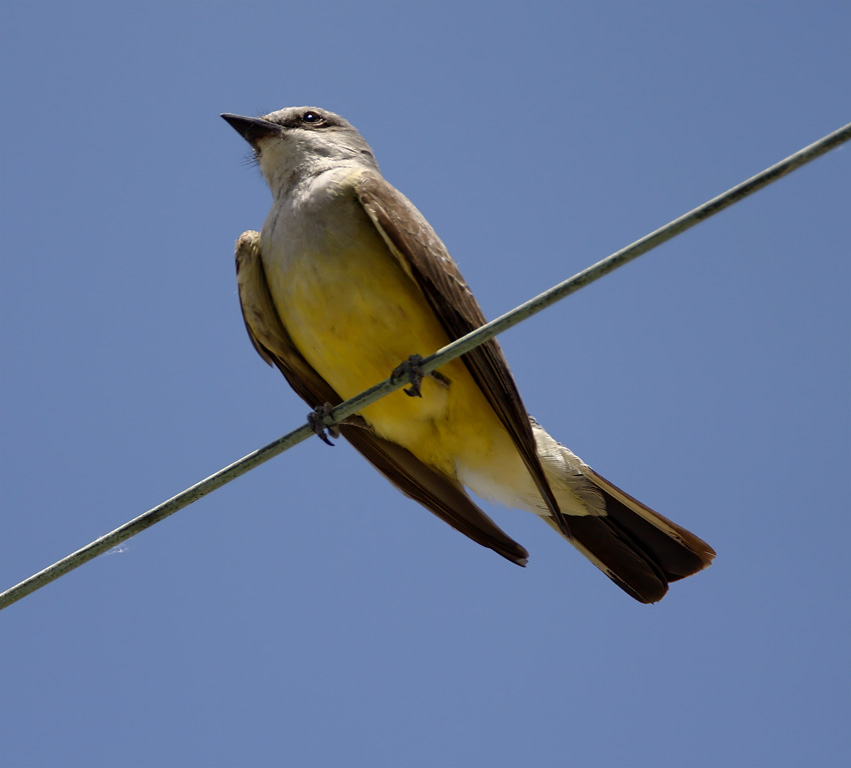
{"x": 423, "y": 256}
{"x": 438, "y": 493}
{"x": 266, "y": 331}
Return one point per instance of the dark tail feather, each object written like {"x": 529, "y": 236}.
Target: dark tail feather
{"x": 639, "y": 549}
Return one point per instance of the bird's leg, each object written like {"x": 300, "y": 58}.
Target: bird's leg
{"x": 316, "y": 420}
{"x": 412, "y": 370}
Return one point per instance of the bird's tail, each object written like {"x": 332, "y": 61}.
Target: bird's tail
{"x": 639, "y": 549}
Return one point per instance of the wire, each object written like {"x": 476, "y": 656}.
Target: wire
{"x": 428, "y": 364}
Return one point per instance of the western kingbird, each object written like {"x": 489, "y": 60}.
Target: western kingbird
{"x": 346, "y": 280}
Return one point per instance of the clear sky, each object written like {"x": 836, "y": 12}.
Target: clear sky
{"x": 310, "y": 615}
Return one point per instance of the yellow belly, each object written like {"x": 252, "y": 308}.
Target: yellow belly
{"x": 355, "y": 315}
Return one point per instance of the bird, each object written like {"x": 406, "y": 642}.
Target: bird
{"x": 345, "y": 281}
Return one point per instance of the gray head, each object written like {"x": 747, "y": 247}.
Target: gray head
{"x": 295, "y": 142}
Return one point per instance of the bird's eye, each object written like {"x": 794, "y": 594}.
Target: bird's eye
{"x": 312, "y": 117}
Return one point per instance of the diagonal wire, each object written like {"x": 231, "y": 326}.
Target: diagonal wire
{"x": 442, "y": 356}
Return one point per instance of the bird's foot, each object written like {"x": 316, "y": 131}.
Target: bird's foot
{"x": 316, "y": 420}
{"x": 412, "y": 370}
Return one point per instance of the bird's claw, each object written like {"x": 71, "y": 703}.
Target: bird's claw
{"x": 412, "y": 370}
{"x": 316, "y": 420}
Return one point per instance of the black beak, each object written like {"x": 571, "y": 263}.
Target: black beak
{"x": 252, "y": 129}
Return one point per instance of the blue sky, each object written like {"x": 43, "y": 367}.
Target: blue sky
{"x": 308, "y": 614}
